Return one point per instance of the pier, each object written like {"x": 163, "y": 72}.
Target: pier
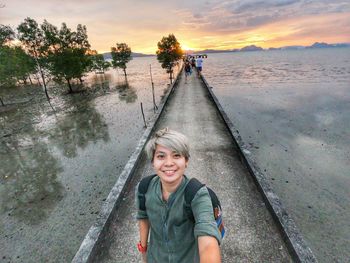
{"x": 257, "y": 227}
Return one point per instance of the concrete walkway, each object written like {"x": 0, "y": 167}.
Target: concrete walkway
{"x": 251, "y": 234}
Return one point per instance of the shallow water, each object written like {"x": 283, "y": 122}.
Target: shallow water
{"x": 292, "y": 109}
{"x": 58, "y": 164}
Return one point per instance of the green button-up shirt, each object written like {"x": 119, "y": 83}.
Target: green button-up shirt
{"x": 173, "y": 236}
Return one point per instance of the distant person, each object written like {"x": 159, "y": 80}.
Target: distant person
{"x": 173, "y": 236}
{"x": 188, "y": 70}
{"x": 199, "y": 64}
{"x": 193, "y": 63}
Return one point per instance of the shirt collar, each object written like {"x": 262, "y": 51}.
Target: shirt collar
{"x": 174, "y": 194}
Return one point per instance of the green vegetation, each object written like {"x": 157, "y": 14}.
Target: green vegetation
{"x": 15, "y": 64}
{"x": 48, "y": 53}
{"x": 98, "y": 64}
{"x": 6, "y": 34}
{"x": 169, "y": 53}
{"x": 121, "y": 55}
{"x": 33, "y": 40}
{"x": 58, "y": 54}
{"x": 67, "y": 52}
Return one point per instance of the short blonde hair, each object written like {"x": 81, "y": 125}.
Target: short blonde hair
{"x": 170, "y": 139}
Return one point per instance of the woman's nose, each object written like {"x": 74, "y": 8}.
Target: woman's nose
{"x": 169, "y": 161}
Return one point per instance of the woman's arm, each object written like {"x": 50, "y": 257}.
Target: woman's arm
{"x": 209, "y": 251}
{"x": 205, "y": 229}
{"x": 144, "y": 231}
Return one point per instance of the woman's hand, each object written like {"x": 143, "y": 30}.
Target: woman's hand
{"x": 144, "y": 231}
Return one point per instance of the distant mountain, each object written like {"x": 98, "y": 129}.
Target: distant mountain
{"x": 342, "y": 45}
{"x": 319, "y": 45}
{"x": 251, "y": 48}
{"x": 325, "y": 45}
{"x": 208, "y": 51}
{"x": 274, "y": 48}
{"x": 211, "y": 51}
{"x": 205, "y": 51}
{"x": 292, "y": 47}
{"x": 246, "y": 48}
{"x": 108, "y": 55}
{"x": 141, "y": 55}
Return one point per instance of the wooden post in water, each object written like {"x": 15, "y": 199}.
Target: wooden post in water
{"x": 143, "y": 116}
{"x": 155, "y": 107}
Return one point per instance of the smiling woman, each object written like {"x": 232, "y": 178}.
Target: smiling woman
{"x": 182, "y": 240}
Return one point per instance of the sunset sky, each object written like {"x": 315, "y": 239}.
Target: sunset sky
{"x": 197, "y": 24}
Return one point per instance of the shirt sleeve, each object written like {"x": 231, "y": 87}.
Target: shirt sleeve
{"x": 202, "y": 209}
{"x": 140, "y": 213}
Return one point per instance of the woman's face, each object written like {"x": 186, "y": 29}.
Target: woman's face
{"x": 169, "y": 166}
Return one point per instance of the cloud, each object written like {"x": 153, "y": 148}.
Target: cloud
{"x": 197, "y": 15}
{"x": 235, "y": 16}
{"x": 260, "y": 20}
{"x": 247, "y": 6}
{"x": 331, "y": 28}
{"x": 142, "y": 23}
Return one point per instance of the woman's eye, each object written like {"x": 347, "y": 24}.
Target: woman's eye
{"x": 177, "y": 155}
{"x": 160, "y": 156}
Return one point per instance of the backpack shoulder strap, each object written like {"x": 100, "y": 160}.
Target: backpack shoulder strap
{"x": 191, "y": 190}
{"x": 142, "y": 189}
{"x": 214, "y": 198}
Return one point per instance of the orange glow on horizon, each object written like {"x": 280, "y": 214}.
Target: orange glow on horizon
{"x": 278, "y": 34}
{"x": 295, "y": 31}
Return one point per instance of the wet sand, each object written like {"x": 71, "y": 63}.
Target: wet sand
{"x": 53, "y": 183}
{"x": 57, "y": 167}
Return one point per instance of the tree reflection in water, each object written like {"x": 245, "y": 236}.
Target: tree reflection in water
{"x": 29, "y": 178}
{"x": 126, "y": 92}
{"x": 82, "y": 125}
{"x": 30, "y": 188}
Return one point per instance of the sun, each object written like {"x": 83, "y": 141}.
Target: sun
{"x": 186, "y": 47}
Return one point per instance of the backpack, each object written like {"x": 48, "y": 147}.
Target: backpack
{"x": 190, "y": 191}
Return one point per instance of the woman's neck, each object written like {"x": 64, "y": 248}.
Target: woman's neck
{"x": 168, "y": 189}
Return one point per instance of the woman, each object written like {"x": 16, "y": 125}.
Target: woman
{"x": 173, "y": 236}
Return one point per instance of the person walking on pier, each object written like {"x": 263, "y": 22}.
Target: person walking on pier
{"x": 193, "y": 63}
{"x": 173, "y": 237}
{"x": 188, "y": 70}
{"x": 199, "y": 65}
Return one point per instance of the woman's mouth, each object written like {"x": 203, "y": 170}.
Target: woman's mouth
{"x": 169, "y": 172}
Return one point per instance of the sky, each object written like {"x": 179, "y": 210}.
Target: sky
{"x": 197, "y": 24}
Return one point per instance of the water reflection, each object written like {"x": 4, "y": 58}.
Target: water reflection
{"x": 29, "y": 169}
{"x": 102, "y": 81}
{"x": 82, "y": 125}
{"x": 292, "y": 108}
{"x": 52, "y": 162}
{"x": 126, "y": 92}
{"x": 29, "y": 179}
